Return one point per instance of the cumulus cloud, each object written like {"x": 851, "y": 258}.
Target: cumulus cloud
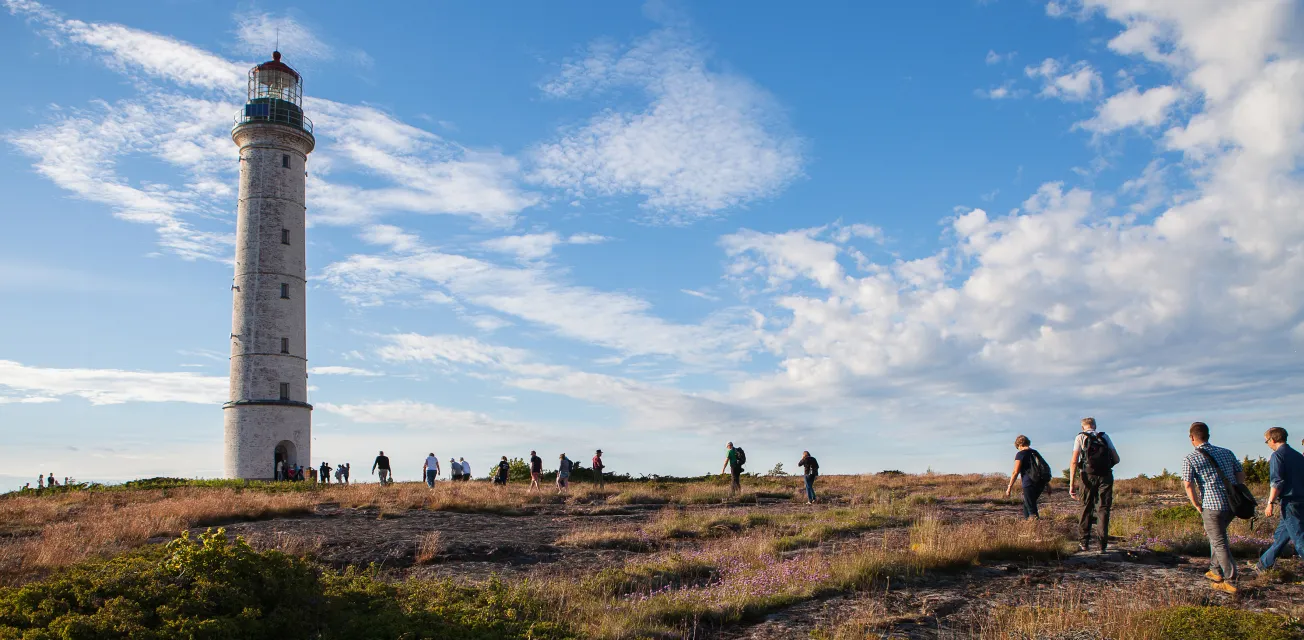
{"x": 1076, "y": 83}
{"x": 1133, "y": 108}
{"x": 707, "y": 141}
{"x": 112, "y": 386}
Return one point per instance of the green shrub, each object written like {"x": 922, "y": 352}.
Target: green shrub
{"x": 1222, "y": 623}
{"x": 1256, "y": 471}
{"x": 216, "y": 588}
{"x": 1178, "y": 513}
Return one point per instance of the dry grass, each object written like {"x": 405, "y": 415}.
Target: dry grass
{"x": 295, "y": 545}
{"x": 429, "y": 547}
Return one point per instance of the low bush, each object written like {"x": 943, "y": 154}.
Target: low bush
{"x": 1221, "y": 623}
{"x": 212, "y": 587}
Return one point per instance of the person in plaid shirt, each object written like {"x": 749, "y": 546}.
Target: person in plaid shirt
{"x": 1213, "y": 505}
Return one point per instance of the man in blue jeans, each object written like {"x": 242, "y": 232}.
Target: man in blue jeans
{"x": 1286, "y": 473}
{"x": 811, "y": 470}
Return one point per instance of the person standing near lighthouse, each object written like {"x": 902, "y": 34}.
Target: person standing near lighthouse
{"x": 267, "y": 418}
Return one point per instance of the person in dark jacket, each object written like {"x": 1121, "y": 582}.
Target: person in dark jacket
{"x": 1286, "y": 475}
{"x": 1023, "y": 462}
{"x": 810, "y": 470}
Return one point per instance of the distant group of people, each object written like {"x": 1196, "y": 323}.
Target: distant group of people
{"x": 297, "y": 473}
{"x": 1212, "y": 477}
{"x": 460, "y": 470}
{"x": 43, "y": 482}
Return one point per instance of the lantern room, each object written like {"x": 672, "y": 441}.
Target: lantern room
{"x": 275, "y": 95}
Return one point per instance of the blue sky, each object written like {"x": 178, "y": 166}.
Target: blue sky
{"x": 895, "y": 236}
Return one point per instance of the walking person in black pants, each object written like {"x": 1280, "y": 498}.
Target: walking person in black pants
{"x": 1035, "y": 472}
{"x": 1095, "y": 454}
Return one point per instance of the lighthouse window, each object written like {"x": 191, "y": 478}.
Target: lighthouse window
{"x": 285, "y": 291}
{"x": 285, "y": 236}
{"x": 285, "y": 391}
{"x": 285, "y": 161}
{"x": 285, "y": 345}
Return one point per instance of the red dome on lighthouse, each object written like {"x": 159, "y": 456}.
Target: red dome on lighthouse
{"x": 275, "y": 64}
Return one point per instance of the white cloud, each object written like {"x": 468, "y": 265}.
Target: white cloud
{"x": 423, "y": 415}
{"x": 1001, "y": 92}
{"x": 80, "y": 151}
{"x": 536, "y": 246}
{"x": 1132, "y": 108}
{"x": 1076, "y": 83}
{"x": 259, "y": 33}
{"x": 708, "y": 140}
{"x": 113, "y": 386}
{"x": 997, "y": 58}
{"x": 533, "y": 293}
{"x": 134, "y": 51}
{"x": 342, "y": 371}
{"x": 698, "y": 294}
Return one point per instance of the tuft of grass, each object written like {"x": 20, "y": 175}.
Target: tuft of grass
{"x": 593, "y": 538}
{"x": 429, "y": 547}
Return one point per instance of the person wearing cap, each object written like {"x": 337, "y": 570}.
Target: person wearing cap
{"x": 430, "y": 469}
{"x": 597, "y": 469}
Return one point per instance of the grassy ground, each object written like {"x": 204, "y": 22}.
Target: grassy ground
{"x": 696, "y": 561}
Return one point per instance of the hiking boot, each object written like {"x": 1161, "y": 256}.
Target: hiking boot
{"x": 1253, "y": 565}
{"x": 1225, "y": 587}
{"x": 1083, "y": 546}
{"x": 1213, "y": 576}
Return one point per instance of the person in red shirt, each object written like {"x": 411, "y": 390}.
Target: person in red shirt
{"x": 597, "y": 469}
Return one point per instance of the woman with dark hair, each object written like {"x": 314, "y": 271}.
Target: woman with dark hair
{"x": 503, "y": 467}
{"x": 1036, "y": 475}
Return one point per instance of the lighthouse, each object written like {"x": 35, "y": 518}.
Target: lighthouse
{"x": 267, "y": 419}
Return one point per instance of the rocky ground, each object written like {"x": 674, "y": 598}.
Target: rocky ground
{"x": 474, "y": 546}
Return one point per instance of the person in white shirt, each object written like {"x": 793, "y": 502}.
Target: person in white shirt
{"x": 466, "y": 469}
{"x": 455, "y": 470}
{"x": 430, "y": 469}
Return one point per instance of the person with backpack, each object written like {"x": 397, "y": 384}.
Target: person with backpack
{"x": 734, "y": 460}
{"x": 504, "y": 467}
{"x": 1095, "y": 454}
{"x": 1286, "y": 478}
{"x": 324, "y": 474}
{"x": 1211, "y": 469}
{"x": 455, "y": 469}
{"x": 1036, "y": 475}
{"x": 810, "y": 470}
{"x": 536, "y": 470}
{"x": 382, "y": 464}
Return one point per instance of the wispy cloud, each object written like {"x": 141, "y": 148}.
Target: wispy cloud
{"x": 707, "y": 141}
{"x": 259, "y": 33}
{"x": 342, "y": 371}
{"x": 113, "y": 386}
{"x": 536, "y": 246}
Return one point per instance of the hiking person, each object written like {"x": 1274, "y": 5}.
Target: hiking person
{"x": 298, "y": 474}
{"x": 810, "y": 470}
{"x": 536, "y": 470}
{"x": 597, "y": 469}
{"x": 734, "y": 460}
{"x": 1094, "y": 452}
{"x": 466, "y": 469}
{"x": 455, "y": 469}
{"x": 348, "y": 468}
{"x": 325, "y": 473}
{"x": 381, "y": 465}
{"x": 503, "y": 467}
{"x": 430, "y": 470}
{"x": 563, "y": 472}
{"x": 339, "y": 474}
{"x": 40, "y": 481}
{"x": 1286, "y": 476}
{"x": 1205, "y": 468}
{"x": 280, "y": 469}
{"x": 51, "y": 482}
{"x": 1036, "y": 475}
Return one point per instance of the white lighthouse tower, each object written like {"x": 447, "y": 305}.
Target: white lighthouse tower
{"x": 268, "y": 418}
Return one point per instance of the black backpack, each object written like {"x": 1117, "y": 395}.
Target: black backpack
{"x": 1038, "y": 471}
{"x": 742, "y": 456}
{"x": 1097, "y": 456}
{"x": 814, "y": 467}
